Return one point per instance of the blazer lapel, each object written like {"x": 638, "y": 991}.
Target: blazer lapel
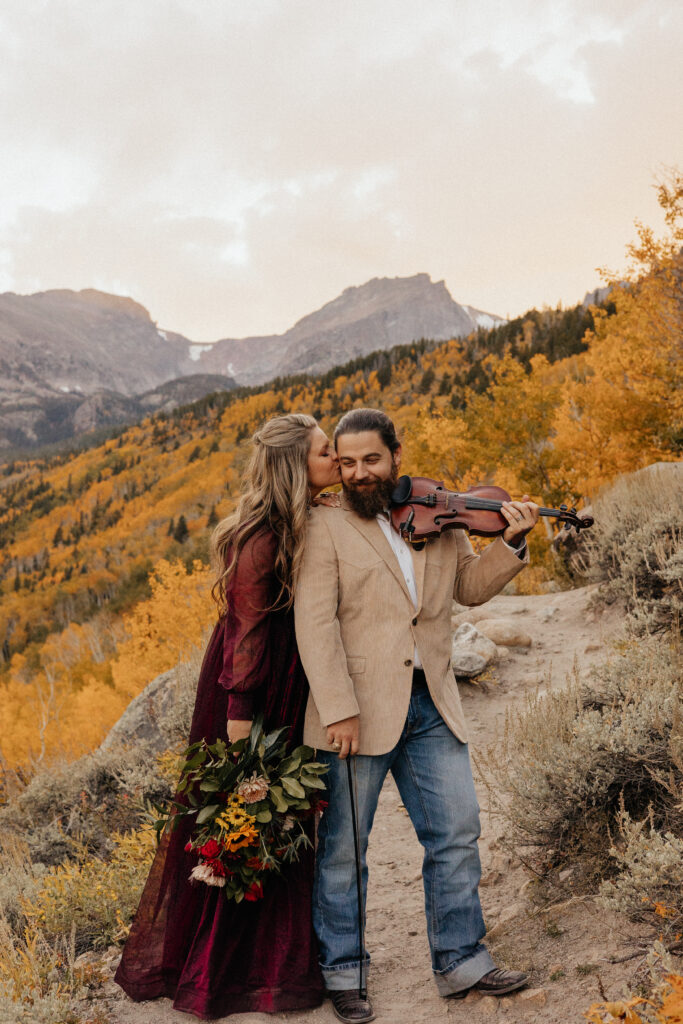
{"x": 371, "y": 530}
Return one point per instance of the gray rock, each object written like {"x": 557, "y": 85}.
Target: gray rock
{"x": 467, "y": 663}
{"x": 144, "y": 719}
{"x": 469, "y": 638}
{"x": 504, "y": 631}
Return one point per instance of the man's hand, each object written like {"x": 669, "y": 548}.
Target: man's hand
{"x": 238, "y": 729}
{"x": 344, "y": 736}
{"x": 522, "y": 516}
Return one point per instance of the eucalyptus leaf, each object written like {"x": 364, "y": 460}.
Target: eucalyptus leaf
{"x": 292, "y": 787}
{"x": 209, "y": 785}
{"x": 312, "y": 782}
{"x": 290, "y": 764}
{"x": 207, "y": 812}
{"x": 278, "y": 798}
{"x": 264, "y": 816}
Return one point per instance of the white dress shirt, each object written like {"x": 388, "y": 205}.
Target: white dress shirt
{"x": 404, "y": 557}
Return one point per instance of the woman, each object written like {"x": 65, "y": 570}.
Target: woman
{"x": 188, "y": 942}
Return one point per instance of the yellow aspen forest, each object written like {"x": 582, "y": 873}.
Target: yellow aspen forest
{"x": 104, "y": 552}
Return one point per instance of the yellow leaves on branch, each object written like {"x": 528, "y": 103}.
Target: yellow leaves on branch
{"x": 160, "y": 630}
{"x": 85, "y": 679}
{"x": 623, "y": 406}
{"x": 667, "y": 1007}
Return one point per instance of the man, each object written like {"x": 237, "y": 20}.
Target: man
{"x": 373, "y": 624}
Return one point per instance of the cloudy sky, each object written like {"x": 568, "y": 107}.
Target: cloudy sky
{"x": 234, "y": 164}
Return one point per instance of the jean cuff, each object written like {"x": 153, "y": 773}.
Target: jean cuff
{"x": 465, "y": 974}
{"x": 345, "y": 976}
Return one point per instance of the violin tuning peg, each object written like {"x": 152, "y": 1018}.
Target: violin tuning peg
{"x": 563, "y": 508}
{"x": 572, "y": 510}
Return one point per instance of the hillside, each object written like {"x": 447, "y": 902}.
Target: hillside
{"x": 555, "y": 404}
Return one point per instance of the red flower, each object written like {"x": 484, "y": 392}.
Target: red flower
{"x": 217, "y": 867}
{"x": 254, "y": 892}
{"x": 255, "y": 863}
{"x": 210, "y": 849}
{"x": 188, "y": 847}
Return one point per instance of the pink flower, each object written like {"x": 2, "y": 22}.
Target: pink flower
{"x": 204, "y": 873}
{"x": 253, "y": 789}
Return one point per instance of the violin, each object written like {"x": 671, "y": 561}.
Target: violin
{"x": 421, "y": 508}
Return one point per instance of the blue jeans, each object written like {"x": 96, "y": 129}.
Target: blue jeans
{"x": 433, "y": 774}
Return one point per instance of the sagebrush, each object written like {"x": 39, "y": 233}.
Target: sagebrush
{"x": 635, "y": 548}
{"x": 576, "y": 758}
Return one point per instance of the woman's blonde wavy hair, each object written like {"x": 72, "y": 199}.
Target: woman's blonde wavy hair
{"x": 275, "y": 493}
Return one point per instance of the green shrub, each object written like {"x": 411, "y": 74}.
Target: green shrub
{"x": 93, "y": 898}
{"x": 635, "y": 547}
{"x": 84, "y": 801}
{"x": 571, "y": 761}
{"x": 649, "y": 886}
{"x": 19, "y": 878}
{"x": 41, "y": 983}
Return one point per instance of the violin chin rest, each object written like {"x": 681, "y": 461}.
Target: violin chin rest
{"x": 402, "y": 491}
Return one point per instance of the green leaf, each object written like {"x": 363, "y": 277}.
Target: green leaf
{"x": 278, "y": 798}
{"x": 209, "y": 785}
{"x": 264, "y": 816}
{"x": 207, "y": 812}
{"x": 239, "y": 896}
{"x": 292, "y": 787}
{"x": 290, "y": 764}
{"x": 312, "y": 782}
{"x": 303, "y": 752}
{"x": 194, "y": 762}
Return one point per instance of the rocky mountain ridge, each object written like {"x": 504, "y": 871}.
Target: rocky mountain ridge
{"x": 379, "y": 314}
{"x": 71, "y": 362}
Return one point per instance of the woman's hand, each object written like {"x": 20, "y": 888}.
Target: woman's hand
{"x": 344, "y": 736}
{"x": 522, "y": 516}
{"x": 238, "y": 729}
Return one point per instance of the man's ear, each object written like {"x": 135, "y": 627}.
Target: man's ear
{"x": 397, "y": 456}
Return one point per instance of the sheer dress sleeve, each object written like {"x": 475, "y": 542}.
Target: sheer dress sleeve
{"x": 246, "y": 660}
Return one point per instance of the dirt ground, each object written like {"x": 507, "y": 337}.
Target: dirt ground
{"x": 566, "y": 950}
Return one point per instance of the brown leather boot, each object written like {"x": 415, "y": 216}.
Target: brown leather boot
{"x": 350, "y": 1008}
{"x": 496, "y": 983}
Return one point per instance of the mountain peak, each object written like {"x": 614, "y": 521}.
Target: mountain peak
{"x": 381, "y": 313}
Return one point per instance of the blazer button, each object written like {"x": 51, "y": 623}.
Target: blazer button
{"x": 408, "y": 661}
{"x": 415, "y": 622}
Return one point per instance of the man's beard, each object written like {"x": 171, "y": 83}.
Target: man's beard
{"x": 367, "y": 500}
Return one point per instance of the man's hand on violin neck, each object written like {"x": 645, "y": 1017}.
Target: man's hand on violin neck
{"x": 522, "y": 516}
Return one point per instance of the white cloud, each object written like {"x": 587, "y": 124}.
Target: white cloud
{"x": 233, "y": 165}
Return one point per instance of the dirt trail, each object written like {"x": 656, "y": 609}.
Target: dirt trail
{"x": 564, "y": 951}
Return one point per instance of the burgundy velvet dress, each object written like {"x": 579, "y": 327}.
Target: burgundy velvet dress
{"x": 212, "y": 956}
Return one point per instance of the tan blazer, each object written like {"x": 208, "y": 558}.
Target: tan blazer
{"x": 356, "y": 625}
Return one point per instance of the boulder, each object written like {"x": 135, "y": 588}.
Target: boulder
{"x": 469, "y": 638}
{"x": 143, "y": 721}
{"x": 504, "y": 631}
{"x": 467, "y": 664}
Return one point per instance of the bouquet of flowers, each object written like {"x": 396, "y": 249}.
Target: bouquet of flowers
{"x": 250, "y": 800}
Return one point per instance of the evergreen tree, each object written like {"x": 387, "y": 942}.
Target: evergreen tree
{"x": 181, "y": 532}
